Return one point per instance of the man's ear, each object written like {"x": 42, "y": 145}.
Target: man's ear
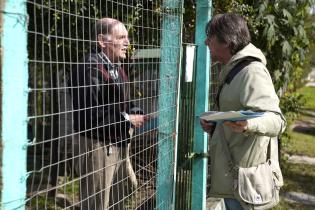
{"x": 225, "y": 45}
{"x": 102, "y": 40}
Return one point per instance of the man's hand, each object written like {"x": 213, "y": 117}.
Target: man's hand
{"x": 137, "y": 120}
{"x": 237, "y": 126}
{"x": 206, "y": 126}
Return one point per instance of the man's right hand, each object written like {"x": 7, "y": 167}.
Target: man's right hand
{"x": 137, "y": 120}
{"x": 207, "y": 126}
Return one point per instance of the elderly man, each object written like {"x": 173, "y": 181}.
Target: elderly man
{"x": 103, "y": 117}
{"x": 245, "y": 85}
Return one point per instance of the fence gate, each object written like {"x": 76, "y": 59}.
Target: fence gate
{"x": 60, "y": 129}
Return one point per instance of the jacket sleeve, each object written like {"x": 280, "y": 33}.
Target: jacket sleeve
{"x": 132, "y": 109}
{"x": 258, "y": 94}
{"x": 130, "y": 106}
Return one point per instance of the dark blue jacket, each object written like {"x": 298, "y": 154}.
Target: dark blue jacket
{"x": 99, "y": 100}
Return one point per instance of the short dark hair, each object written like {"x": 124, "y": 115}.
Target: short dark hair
{"x": 231, "y": 29}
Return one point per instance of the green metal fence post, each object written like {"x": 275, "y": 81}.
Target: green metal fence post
{"x": 169, "y": 71}
{"x": 199, "y": 173}
{"x": 14, "y": 104}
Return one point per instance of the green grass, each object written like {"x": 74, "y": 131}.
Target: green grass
{"x": 302, "y": 143}
{"x": 70, "y": 188}
{"x": 309, "y": 96}
{"x": 299, "y": 178}
{"x": 284, "y": 205}
{"x": 49, "y": 202}
{"x": 42, "y": 202}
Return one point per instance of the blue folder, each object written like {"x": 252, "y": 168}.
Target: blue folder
{"x": 214, "y": 116}
{"x": 150, "y": 125}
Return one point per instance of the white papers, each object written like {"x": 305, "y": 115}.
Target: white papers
{"x": 230, "y": 115}
{"x": 190, "y": 56}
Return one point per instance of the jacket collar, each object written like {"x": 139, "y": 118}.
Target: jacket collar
{"x": 112, "y": 68}
{"x": 249, "y": 50}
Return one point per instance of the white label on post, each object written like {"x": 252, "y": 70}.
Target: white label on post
{"x": 190, "y": 56}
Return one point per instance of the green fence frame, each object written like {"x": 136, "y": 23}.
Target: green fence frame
{"x": 185, "y": 135}
{"x": 14, "y": 104}
{"x": 199, "y": 169}
{"x": 169, "y": 69}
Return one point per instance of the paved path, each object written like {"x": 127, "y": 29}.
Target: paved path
{"x": 299, "y": 198}
{"x": 311, "y": 78}
{"x": 215, "y": 204}
{"x": 301, "y": 159}
{"x": 309, "y": 112}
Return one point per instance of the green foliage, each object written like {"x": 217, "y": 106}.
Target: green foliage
{"x": 281, "y": 37}
{"x": 279, "y": 29}
{"x": 42, "y": 202}
{"x": 310, "y": 57}
{"x": 301, "y": 144}
{"x": 291, "y": 104}
{"x": 189, "y": 22}
{"x": 64, "y": 29}
{"x": 60, "y": 34}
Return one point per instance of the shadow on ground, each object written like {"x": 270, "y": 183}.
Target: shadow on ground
{"x": 305, "y": 126}
{"x": 297, "y": 176}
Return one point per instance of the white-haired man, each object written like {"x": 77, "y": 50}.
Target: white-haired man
{"x": 103, "y": 117}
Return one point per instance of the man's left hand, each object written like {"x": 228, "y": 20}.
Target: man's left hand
{"x": 237, "y": 126}
{"x": 137, "y": 120}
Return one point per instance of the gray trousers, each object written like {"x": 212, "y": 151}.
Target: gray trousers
{"x": 102, "y": 173}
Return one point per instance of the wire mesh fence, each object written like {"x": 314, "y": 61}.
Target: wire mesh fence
{"x": 186, "y": 131}
{"x": 185, "y": 137}
{"x": 214, "y": 85}
{"x": 94, "y": 90}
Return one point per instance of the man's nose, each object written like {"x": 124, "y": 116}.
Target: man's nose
{"x": 126, "y": 41}
{"x": 206, "y": 41}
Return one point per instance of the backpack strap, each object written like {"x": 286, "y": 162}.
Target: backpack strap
{"x": 236, "y": 69}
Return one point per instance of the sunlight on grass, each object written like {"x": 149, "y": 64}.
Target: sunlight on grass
{"x": 309, "y": 96}
{"x": 69, "y": 191}
{"x": 42, "y": 202}
{"x": 301, "y": 144}
{"x": 284, "y": 205}
{"x": 299, "y": 178}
